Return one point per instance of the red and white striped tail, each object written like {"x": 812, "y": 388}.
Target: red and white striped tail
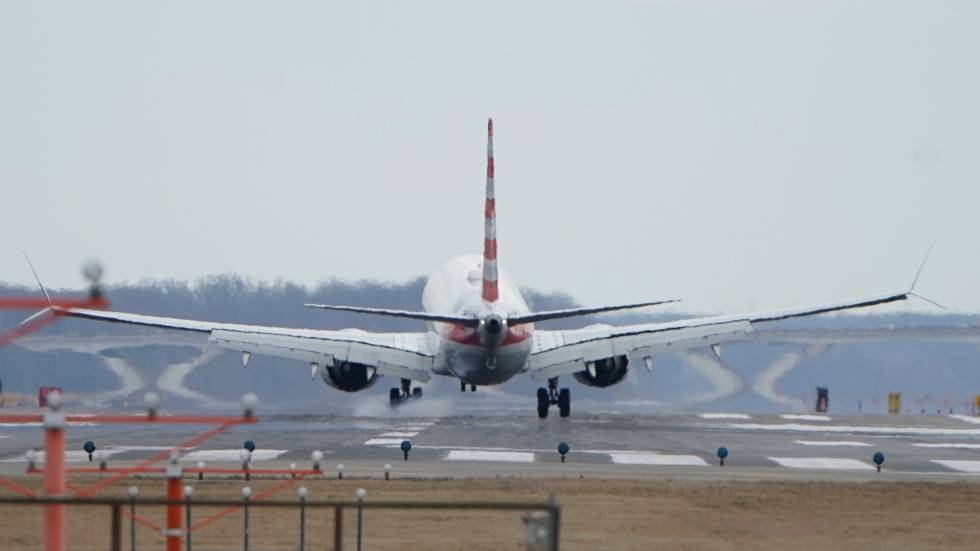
{"x": 490, "y": 291}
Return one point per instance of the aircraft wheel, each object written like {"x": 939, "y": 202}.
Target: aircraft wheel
{"x": 472, "y": 388}
{"x": 543, "y": 403}
{"x": 564, "y": 402}
{"x": 416, "y": 392}
{"x": 394, "y": 396}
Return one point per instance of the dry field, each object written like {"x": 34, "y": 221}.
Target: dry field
{"x": 596, "y": 514}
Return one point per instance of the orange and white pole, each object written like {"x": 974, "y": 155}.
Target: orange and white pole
{"x": 54, "y": 473}
{"x": 175, "y": 490}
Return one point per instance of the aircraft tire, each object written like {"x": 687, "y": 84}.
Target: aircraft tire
{"x": 543, "y": 404}
{"x": 564, "y": 402}
{"x": 394, "y": 397}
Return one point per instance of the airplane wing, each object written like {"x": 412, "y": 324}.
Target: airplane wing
{"x": 567, "y": 352}
{"x": 403, "y": 355}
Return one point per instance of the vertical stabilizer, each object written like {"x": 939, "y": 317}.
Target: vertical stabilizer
{"x": 490, "y": 291}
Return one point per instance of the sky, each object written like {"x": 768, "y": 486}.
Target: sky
{"x": 736, "y": 155}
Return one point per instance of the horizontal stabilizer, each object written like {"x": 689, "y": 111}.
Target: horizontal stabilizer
{"x": 408, "y": 314}
{"x": 535, "y": 317}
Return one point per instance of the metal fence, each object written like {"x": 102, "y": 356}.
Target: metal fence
{"x": 543, "y": 528}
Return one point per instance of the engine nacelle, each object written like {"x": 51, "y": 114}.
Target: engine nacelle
{"x": 349, "y": 376}
{"x": 605, "y": 372}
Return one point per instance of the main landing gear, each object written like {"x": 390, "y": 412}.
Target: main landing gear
{"x": 462, "y": 387}
{"x": 406, "y": 392}
{"x": 551, "y": 395}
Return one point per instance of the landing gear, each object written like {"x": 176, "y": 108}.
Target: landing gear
{"x": 551, "y": 395}
{"x": 462, "y": 387}
{"x": 406, "y": 392}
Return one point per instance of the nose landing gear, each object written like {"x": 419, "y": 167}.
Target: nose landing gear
{"x": 462, "y": 387}
{"x": 553, "y": 396}
{"x": 406, "y": 392}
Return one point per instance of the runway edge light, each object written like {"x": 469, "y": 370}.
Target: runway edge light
{"x": 722, "y": 454}
{"x": 89, "y": 448}
{"x": 406, "y": 447}
{"x": 563, "y": 450}
{"x": 878, "y": 458}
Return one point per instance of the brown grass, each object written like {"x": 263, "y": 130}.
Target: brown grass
{"x": 596, "y": 514}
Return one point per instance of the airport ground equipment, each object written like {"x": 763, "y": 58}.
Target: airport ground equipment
{"x": 823, "y": 399}
{"x": 894, "y": 403}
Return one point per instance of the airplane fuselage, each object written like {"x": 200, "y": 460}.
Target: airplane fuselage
{"x": 486, "y": 355}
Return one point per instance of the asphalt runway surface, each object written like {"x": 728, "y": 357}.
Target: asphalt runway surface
{"x": 776, "y": 447}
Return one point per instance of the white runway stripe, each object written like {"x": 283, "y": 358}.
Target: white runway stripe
{"x": 903, "y": 431}
{"x": 949, "y": 445}
{"x": 483, "y": 455}
{"x": 963, "y": 466}
{"x": 832, "y": 443}
{"x": 967, "y": 418}
{"x": 832, "y": 463}
{"x": 384, "y": 442}
{"x": 230, "y": 455}
{"x": 657, "y": 459}
{"x": 397, "y": 434}
{"x": 724, "y": 416}
{"x": 805, "y": 417}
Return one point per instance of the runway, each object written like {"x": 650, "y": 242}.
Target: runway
{"x": 773, "y": 447}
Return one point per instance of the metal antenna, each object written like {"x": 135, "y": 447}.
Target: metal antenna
{"x": 923, "y": 265}
{"x": 38, "y": 279}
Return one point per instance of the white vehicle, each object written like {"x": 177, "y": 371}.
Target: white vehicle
{"x": 480, "y": 331}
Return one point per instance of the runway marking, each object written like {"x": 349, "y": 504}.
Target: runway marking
{"x": 484, "y": 455}
{"x": 398, "y": 434}
{"x": 657, "y": 459}
{"x": 831, "y": 463}
{"x": 962, "y": 465}
{"x": 949, "y": 445}
{"x": 384, "y": 442}
{"x": 833, "y": 443}
{"x": 915, "y": 431}
{"x": 805, "y": 417}
{"x": 724, "y": 416}
{"x": 231, "y": 455}
{"x": 967, "y": 418}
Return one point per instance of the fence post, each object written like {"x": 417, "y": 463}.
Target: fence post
{"x": 246, "y": 494}
{"x": 54, "y": 473}
{"x": 116, "y": 535}
{"x": 359, "y": 494}
{"x": 133, "y": 491}
{"x": 302, "y": 517}
{"x": 555, "y": 512}
{"x": 173, "y": 530}
{"x": 338, "y": 528}
{"x": 188, "y": 491}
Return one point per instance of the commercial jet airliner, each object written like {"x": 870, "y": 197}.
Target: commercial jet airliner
{"x": 480, "y": 331}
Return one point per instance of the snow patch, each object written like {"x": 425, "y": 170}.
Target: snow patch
{"x": 805, "y": 417}
{"x": 486, "y": 455}
{"x": 833, "y": 443}
{"x": 832, "y": 463}
{"x": 231, "y": 455}
{"x": 949, "y": 445}
{"x": 657, "y": 459}
{"x": 962, "y": 465}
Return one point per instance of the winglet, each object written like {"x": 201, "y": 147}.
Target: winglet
{"x": 38, "y": 279}
{"x": 490, "y": 290}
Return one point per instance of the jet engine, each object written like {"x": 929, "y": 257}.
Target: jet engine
{"x": 349, "y": 376}
{"x": 605, "y": 372}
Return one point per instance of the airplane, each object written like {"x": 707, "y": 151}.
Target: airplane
{"x": 481, "y": 332}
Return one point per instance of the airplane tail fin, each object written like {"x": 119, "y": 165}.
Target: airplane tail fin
{"x": 490, "y": 291}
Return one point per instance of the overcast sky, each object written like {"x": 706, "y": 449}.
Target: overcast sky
{"x": 737, "y": 155}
